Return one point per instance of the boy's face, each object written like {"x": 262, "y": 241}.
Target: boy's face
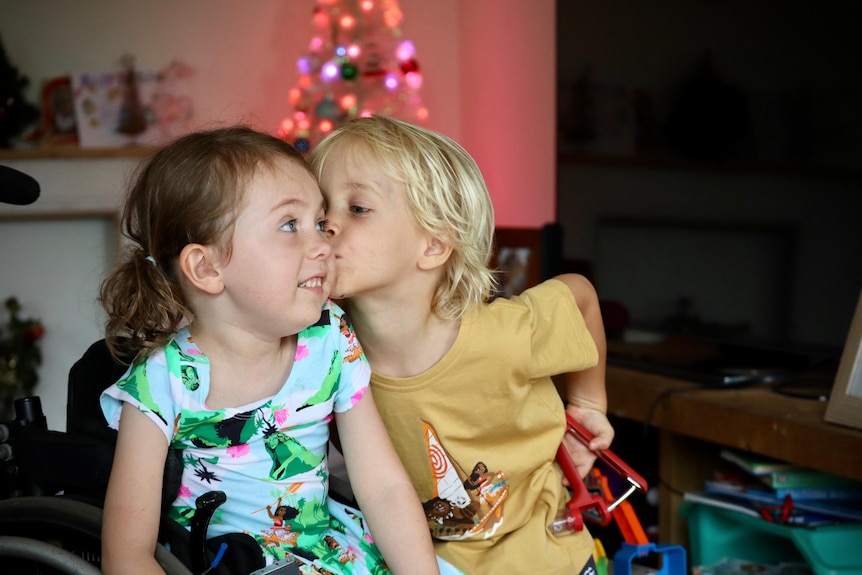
{"x": 280, "y": 271}
{"x": 375, "y": 237}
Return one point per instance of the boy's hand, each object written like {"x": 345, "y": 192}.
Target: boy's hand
{"x": 596, "y": 423}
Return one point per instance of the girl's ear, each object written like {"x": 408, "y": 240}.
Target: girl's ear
{"x": 200, "y": 266}
{"x": 436, "y": 254}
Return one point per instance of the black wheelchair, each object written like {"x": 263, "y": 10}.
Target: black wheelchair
{"x": 52, "y": 488}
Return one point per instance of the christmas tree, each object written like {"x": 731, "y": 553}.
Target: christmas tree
{"x": 16, "y": 113}
{"x": 133, "y": 119}
{"x": 358, "y": 64}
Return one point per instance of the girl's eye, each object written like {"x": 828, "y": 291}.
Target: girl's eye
{"x": 289, "y": 226}
{"x": 358, "y": 210}
{"x": 323, "y": 225}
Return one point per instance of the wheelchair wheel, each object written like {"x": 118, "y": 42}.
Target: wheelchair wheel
{"x": 65, "y": 524}
{"x": 46, "y": 554}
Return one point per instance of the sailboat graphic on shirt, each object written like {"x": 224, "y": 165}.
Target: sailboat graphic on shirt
{"x": 463, "y": 505}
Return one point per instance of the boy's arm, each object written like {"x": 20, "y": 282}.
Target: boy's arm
{"x": 133, "y": 501}
{"x": 384, "y": 492}
{"x": 586, "y": 398}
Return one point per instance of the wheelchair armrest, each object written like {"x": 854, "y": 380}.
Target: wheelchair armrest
{"x": 38, "y": 454}
{"x": 205, "y": 506}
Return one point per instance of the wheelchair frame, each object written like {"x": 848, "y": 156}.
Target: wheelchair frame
{"x": 52, "y": 488}
{"x": 50, "y": 513}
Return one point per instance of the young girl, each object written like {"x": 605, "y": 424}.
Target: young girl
{"x": 228, "y": 235}
{"x": 463, "y": 385}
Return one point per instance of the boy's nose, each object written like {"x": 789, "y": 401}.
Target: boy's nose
{"x": 332, "y": 228}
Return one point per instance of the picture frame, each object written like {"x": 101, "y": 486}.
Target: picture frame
{"x": 127, "y": 106}
{"x": 58, "y": 122}
{"x": 517, "y": 259}
{"x": 845, "y": 401}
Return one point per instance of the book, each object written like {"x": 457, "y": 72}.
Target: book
{"x": 836, "y": 510}
{"x": 757, "y": 465}
{"x": 848, "y": 493}
{"x": 797, "y": 493}
{"x": 796, "y": 478}
{"x": 705, "y": 498}
{"x": 752, "y": 508}
{"x": 783, "y": 475}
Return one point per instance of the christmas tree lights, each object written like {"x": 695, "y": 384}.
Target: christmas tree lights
{"x": 358, "y": 64}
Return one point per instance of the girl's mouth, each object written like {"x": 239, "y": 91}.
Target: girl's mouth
{"x": 315, "y": 282}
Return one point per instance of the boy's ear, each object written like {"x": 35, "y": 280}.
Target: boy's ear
{"x": 436, "y": 254}
{"x": 200, "y": 266}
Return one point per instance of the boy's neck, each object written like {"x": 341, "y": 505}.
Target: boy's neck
{"x": 401, "y": 343}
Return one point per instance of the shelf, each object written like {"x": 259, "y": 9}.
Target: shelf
{"x": 694, "y": 421}
{"x": 737, "y": 167}
{"x": 73, "y": 152}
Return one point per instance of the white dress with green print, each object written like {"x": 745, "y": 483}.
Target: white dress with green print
{"x": 268, "y": 457}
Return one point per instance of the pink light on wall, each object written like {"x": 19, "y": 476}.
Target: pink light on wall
{"x": 508, "y": 114}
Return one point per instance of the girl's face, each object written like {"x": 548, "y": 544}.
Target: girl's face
{"x": 279, "y": 272}
{"x": 375, "y": 237}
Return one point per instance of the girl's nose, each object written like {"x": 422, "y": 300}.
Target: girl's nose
{"x": 320, "y": 246}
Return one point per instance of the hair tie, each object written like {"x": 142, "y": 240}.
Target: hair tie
{"x": 152, "y": 261}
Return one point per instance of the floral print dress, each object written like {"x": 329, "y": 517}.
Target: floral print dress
{"x": 268, "y": 457}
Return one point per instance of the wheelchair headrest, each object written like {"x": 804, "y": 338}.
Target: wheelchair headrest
{"x": 88, "y": 378}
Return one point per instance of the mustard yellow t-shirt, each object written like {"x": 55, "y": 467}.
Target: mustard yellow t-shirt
{"x": 479, "y": 431}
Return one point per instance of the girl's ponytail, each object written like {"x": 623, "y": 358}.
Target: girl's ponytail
{"x": 144, "y": 306}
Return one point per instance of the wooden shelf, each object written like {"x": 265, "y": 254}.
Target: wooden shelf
{"x": 659, "y": 161}
{"x": 73, "y": 152}
{"x": 694, "y": 422}
{"x": 751, "y": 419}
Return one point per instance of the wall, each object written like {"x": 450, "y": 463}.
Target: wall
{"x": 508, "y": 82}
{"x": 503, "y": 116}
{"x": 243, "y": 56}
{"x": 243, "y": 53}
{"x": 775, "y": 54}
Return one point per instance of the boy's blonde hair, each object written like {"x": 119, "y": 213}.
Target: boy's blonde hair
{"x": 446, "y": 193}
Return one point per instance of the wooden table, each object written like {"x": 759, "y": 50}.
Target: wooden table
{"x": 694, "y": 423}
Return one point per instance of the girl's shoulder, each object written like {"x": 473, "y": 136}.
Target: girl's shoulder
{"x": 178, "y": 367}
{"x": 332, "y": 317}
{"x": 333, "y": 306}
{"x": 332, "y": 335}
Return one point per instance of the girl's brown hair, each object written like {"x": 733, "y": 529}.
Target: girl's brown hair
{"x": 190, "y": 191}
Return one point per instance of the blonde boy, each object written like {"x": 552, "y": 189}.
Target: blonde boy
{"x": 463, "y": 383}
